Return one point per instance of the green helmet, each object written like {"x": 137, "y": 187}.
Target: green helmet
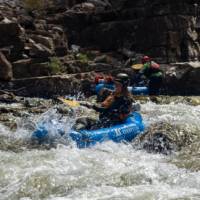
{"x": 123, "y": 79}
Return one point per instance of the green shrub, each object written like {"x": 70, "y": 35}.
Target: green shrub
{"x": 37, "y": 4}
{"x": 54, "y": 65}
{"x": 33, "y": 4}
{"x": 83, "y": 58}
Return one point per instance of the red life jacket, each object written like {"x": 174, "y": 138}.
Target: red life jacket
{"x": 154, "y": 68}
{"x": 98, "y": 78}
{"x": 155, "y": 65}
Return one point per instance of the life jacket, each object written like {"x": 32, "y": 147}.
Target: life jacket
{"x": 109, "y": 80}
{"x": 118, "y": 107}
{"x": 101, "y": 79}
{"x": 98, "y": 78}
{"x": 152, "y": 69}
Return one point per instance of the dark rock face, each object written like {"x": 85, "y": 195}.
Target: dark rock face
{"x": 165, "y": 30}
{"x": 162, "y": 29}
{"x": 11, "y": 38}
{"x": 6, "y": 73}
{"x": 183, "y": 78}
{"x": 28, "y": 36}
{"x": 48, "y": 86}
{"x": 30, "y": 68}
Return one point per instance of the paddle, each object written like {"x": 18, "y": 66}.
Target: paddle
{"x": 137, "y": 66}
{"x": 71, "y": 103}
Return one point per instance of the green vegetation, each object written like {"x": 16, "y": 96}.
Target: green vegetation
{"x": 33, "y": 4}
{"x": 37, "y": 4}
{"x": 55, "y": 65}
{"x": 83, "y": 58}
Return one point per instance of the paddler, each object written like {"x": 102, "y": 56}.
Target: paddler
{"x": 151, "y": 70}
{"x": 113, "y": 110}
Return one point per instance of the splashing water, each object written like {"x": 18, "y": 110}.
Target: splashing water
{"x": 106, "y": 171}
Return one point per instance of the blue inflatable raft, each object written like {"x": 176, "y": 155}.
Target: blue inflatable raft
{"x": 140, "y": 90}
{"x": 127, "y": 131}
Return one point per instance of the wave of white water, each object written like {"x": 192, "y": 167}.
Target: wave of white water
{"x": 106, "y": 171}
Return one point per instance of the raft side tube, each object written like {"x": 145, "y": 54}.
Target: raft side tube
{"x": 87, "y": 138}
{"x": 117, "y": 133}
{"x": 140, "y": 90}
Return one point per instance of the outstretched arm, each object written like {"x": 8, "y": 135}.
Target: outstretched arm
{"x": 96, "y": 107}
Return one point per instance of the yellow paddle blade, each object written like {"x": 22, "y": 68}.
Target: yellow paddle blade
{"x": 71, "y": 103}
{"x": 137, "y": 66}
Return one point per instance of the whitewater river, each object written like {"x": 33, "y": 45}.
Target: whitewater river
{"x": 106, "y": 172}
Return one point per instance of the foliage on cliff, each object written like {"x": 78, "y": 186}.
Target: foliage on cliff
{"x": 37, "y": 4}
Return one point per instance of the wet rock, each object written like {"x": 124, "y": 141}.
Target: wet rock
{"x": 6, "y": 73}
{"x": 33, "y": 102}
{"x": 7, "y": 97}
{"x": 158, "y": 143}
{"x": 183, "y": 78}
{"x": 64, "y": 109}
{"x": 194, "y": 101}
{"x": 166, "y": 138}
{"x": 189, "y": 100}
{"x": 12, "y": 113}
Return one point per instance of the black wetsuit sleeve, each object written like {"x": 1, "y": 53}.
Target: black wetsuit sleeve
{"x": 124, "y": 107}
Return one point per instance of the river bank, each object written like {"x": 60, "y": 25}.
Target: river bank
{"x": 44, "y": 51}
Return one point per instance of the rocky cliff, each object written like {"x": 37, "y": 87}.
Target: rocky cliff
{"x": 72, "y": 37}
{"x": 164, "y": 29}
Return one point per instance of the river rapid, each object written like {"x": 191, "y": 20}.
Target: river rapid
{"x": 108, "y": 171}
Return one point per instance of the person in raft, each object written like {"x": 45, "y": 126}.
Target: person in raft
{"x": 113, "y": 110}
{"x": 103, "y": 87}
{"x": 151, "y": 70}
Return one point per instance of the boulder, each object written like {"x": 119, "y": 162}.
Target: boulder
{"x": 166, "y": 138}
{"x": 9, "y": 31}
{"x": 60, "y": 41}
{"x": 38, "y": 50}
{"x": 100, "y": 67}
{"x": 45, "y": 41}
{"x": 49, "y": 86}
{"x": 7, "y": 97}
{"x": 183, "y": 78}
{"x": 84, "y": 7}
{"x": 101, "y": 5}
{"x": 11, "y": 36}
{"x": 27, "y": 68}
